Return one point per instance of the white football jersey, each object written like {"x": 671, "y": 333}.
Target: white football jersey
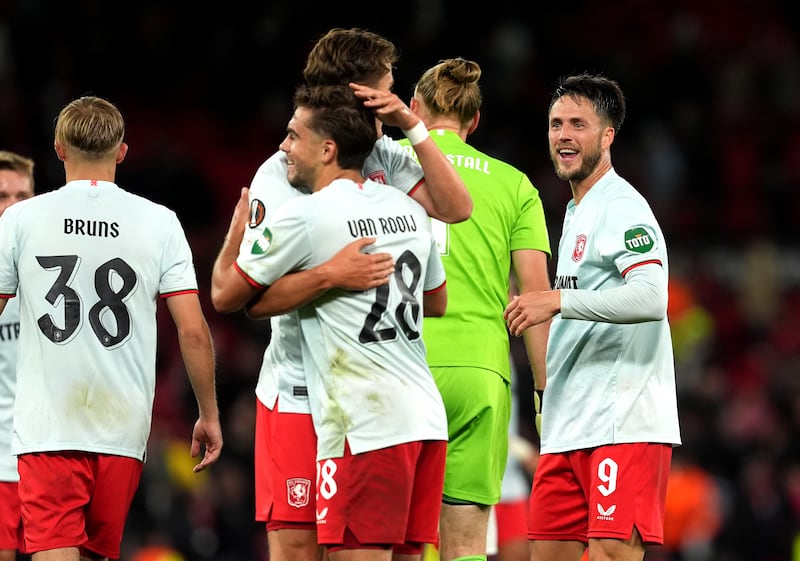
{"x": 9, "y": 335}
{"x": 363, "y": 352}
{"x": 88, "y": 263}
{"x": 282, "y": 367}
{"x": 608, "y": 383}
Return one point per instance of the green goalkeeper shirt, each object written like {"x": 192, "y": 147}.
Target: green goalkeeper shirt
{"x": 507, "y": 216}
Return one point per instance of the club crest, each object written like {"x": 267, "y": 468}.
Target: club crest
{"x": 297, "y": 490}
{"x": 580, "y": 247}
{"x": 378, "y": 176}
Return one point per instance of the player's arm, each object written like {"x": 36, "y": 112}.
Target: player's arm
{"x": 443, "y": 193}
{"x": 194, "y": 339}
{"x": 434, "y": 302}
{"x": 642, "y": 298}
{"x": 230, "y": 291}
{"x": 530, "y": 274}
{"x": 3, "y": 304}
{"x": 350, "y": 269}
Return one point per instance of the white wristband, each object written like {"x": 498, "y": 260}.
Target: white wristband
{"x": 417, "y": 133}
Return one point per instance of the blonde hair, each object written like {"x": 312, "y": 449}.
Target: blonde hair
{"x": 451, "y": 88}
{"x": 14, "y": 162}
{"x": 92, "y": 126}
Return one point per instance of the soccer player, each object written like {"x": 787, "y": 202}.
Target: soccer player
{"x": 609, "y": 414}
{"x": 468, "y": 348}
{"x": 379, "y": 418}
{"x": 16, "y": 184}
{"x": 285, "y": 442}
{"x": 88, "y": 263}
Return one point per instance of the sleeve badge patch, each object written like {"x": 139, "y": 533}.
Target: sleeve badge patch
{"x": 639, "y": 240}
{"x": 262, "y": 243}
{"x": 257, "y": 213}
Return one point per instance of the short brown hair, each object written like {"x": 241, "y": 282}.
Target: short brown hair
{"x": 349, "y": 55}
{"x": 340, "y": 116}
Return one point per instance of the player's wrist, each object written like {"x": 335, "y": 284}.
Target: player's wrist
{"x": 325, "y": 275}
{"x": 416, "y": 134}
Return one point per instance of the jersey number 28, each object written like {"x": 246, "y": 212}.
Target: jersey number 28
{"x": 371, "y": 332}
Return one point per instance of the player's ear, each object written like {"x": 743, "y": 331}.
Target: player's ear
{"x": 60, "y": 152}
{"x": 608, "y": 137}
{"x": 474, "y": 124}
{"x": 329, "y": 151}
{"x": 123, "y": 150}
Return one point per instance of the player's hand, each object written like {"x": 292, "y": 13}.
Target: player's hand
{"x": 531, "y": 308}
{"x": 241, "y": 214}
{"x": 206, "y": 437}
{"x": 538, "y": 396}
{"x": 387, "y": 106}
{"x": 352, "y": 269}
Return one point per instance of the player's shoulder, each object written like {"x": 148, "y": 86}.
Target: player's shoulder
{"x": 274, "y": 166}
{"x": 141, "y": 203}
{"x": 394, "y": 197}
{"x": 616, "y": 187}
{"x": 22, "y": 206}
{"x": 496, "y": 162}
{"x": 276, "y": 160}
{"x": 387, "y": 148}
{"x": 271, "y": 177}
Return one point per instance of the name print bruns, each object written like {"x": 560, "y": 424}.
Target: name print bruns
{"x": 95, "y": 228}
{"x": 368, "y": 227}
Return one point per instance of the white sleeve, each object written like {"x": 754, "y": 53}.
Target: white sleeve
{"x": 283, "y": 247}
{"x": 642, "y": 298}
{"x": 8, "y": 254}
{"x": 435, "y": 275}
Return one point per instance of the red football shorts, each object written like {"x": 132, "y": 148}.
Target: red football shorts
{"x": 383, "y": 498}
{"x": 10, "y": 516}
{"x": 601, "y": 493}
{"x": 512, "y": 521}
{"x": 285, "y": 469}
{"x": 76, "y": 499}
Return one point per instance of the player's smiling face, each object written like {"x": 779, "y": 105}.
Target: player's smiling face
{"x": 576, "y": 138}
{"x": 303, "y": 148}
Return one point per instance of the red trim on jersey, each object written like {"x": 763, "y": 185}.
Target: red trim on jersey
{"x": 248, "y": 278}
{"x": 178, "y": 293}
{"x": 415, "y": 187}
{"x": 7, "y": 296}
{"x": 648, "y": 262}
{"x": 437, "y": 289}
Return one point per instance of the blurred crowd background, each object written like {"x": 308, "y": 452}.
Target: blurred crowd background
{"x": 712, "y": 139}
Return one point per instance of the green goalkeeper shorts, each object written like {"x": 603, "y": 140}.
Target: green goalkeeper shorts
{"x": 478, "y": 405}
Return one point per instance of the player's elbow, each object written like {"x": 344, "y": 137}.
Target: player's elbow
{"x": 222, "y": 302}
{"x": 657, "y": 310}
{"x": 457, "y": 212}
